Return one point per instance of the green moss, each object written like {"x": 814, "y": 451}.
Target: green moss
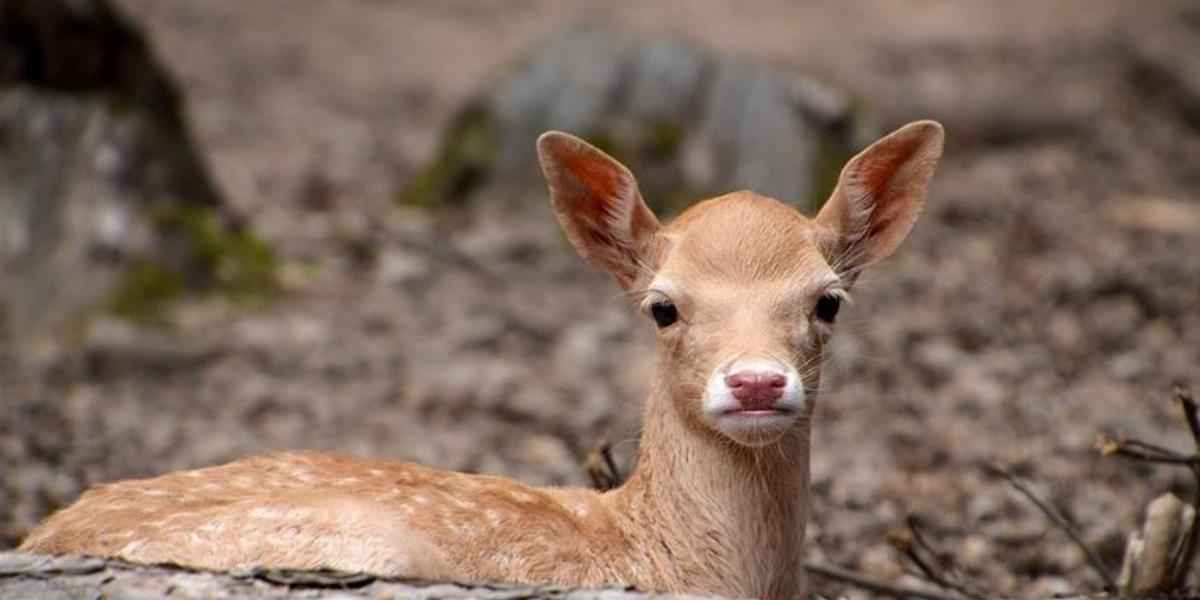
{"x": 464, "y": 162}
{"x": 207, "y": 256}
{"x": 603, "y": 138}
{"x": 832, "y": 155}
{"x": 638, "y": 142}
{"x": 6, "y": 327}
{"x": 121, "y": 108}
{"x": 230, "y": 259}
{"x": 146, "y": 289}
{"x": 836, "y": 148}
{"x": 665, "y": 139}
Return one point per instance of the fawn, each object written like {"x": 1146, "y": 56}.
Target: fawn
{"x": 743, "y": 290}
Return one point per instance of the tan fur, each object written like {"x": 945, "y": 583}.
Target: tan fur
{"x": 701, "y": 513}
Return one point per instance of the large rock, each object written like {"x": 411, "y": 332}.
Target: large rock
{"x": 104, "y": 201}
{"x": 689, "y": 123}
{"x": 1167, "y": 64}
{"x": 25, "y": 576}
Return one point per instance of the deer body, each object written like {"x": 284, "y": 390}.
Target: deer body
{"x": 743, "y": 290}
{"x": 312, "y": 510}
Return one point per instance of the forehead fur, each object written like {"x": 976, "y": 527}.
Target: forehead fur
{"x": 743, "y": 237}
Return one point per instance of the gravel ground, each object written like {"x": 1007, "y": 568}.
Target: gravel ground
{"x": 1050, "y": 293}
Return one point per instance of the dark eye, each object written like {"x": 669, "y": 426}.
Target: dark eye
{"x": 664, "y": 313}
{"x": 827, "y": 307}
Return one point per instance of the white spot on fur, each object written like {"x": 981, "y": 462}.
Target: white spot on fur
{"x": 262, "y": 512}
{"x": 212, "y": 527}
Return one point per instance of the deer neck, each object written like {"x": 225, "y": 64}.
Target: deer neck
{"x": 715, "y": 515}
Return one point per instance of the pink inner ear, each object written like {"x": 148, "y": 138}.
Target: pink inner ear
{"x": 604, "y": 185}
{"x": 882, "y": 192}
{"x": 891, "y": 171}
{"x": 597, "y": 202}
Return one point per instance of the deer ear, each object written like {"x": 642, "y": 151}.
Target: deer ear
{"x": 879, "y": 195}
{"x": 598, "y": 205}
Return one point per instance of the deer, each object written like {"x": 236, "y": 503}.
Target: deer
{"x": 743, "y": 292}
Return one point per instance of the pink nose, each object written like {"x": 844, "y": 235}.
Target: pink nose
{"x": 756, "y": 390}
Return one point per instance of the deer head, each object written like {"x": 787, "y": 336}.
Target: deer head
{"x": 743, "y": 290}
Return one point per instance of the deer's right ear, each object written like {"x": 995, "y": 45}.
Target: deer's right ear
{"x": 598, "y": 205}
{"x": 879, "y": 195}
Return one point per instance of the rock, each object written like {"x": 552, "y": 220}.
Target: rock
{"x": 1167, "y": 66}
{"x": 689, "y": 122}
{"x": 1051, "y": 587}
{"x": 544, "y": 452}
{"x": 104, "y": 201}
{"x": 27, "y": 576}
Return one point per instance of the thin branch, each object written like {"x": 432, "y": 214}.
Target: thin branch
{"x": 861, "y": 581}
{"x": 914, "y": 525}
{"x": 601, "y": 467}
{"x": 1059, "y": 520}
{"x": 1163, "y": 450}
{"x": 617, "y": 476}
{"x": 935, "y": 574}
{"x": 1145, "y": 452}
{"x": 931, "y": 574}
{"x": 1153, "y": 453}
{"x": 1191, "y": 414}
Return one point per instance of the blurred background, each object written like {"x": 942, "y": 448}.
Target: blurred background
{"x": 236, "y": 227}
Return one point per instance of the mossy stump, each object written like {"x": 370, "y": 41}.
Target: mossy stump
{"x": 689, "y": 122}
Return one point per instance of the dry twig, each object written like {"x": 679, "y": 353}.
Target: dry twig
{"x": 601, "y": 467}
{"x": 1059, "y": 520}
{"x": 1191, "y": 414}
{"x": 887, "y": 589}
{"x": 916, "y": 546}
{"x": 1143, "y": 451}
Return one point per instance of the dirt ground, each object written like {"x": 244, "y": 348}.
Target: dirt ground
{"x": 1051, "y": 291}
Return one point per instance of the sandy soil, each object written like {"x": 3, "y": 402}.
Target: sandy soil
{"x": 1050, "y": 292}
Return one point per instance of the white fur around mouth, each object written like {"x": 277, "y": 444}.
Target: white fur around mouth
{"x": 727, "y": 415}
{"x": 745, "y": 421}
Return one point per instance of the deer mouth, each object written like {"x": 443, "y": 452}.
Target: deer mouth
{"x": 755, "y": 420}
{"x": 778, "y": 411}
{"x": 755, "y": 427}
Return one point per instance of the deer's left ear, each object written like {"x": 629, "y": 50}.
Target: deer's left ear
{"x": 598, "y": 205}
{"x": 878, "y": 197}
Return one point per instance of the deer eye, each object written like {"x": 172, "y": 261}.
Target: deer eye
{"x": 664, "y": 313}
{"x": 827, "y": 307}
